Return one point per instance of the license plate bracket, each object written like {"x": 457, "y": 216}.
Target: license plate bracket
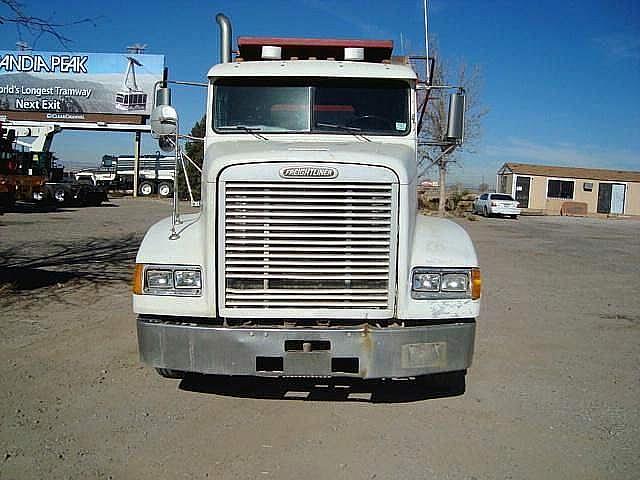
{"x": 307, "y": 363}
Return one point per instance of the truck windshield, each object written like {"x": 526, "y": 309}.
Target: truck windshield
{"x": 277, "y": 105}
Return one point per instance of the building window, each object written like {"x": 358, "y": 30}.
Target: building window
{"x": 588, "y": 186}
{"x": 503, "y": 183}
{"x": 560, "y": 189}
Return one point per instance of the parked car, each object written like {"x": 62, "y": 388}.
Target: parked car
{"x": 489, "y": 204}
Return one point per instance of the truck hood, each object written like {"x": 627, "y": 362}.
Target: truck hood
{"x": 399, "y": 158}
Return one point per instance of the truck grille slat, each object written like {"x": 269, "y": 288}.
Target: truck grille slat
{"x": 260, "y": 256}
{"x": 293, "y": 242}
{"x": 307, "y": 244}
{"x": 297, "y": 222}
{"x": 324, "y": 249}
{"x": 326, "y": 263}
{"x": 265, "y": 205}
{"x": 306, "y": 228}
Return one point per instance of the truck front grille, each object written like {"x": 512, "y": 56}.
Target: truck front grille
{"x": 308, "y": 245}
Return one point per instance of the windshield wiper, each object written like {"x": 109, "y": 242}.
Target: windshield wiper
{"x": 245, "y": 128}
{"x": 352, "y": 130}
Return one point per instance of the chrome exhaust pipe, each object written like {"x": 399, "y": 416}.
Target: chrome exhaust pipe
{"x": 225, "y": 38}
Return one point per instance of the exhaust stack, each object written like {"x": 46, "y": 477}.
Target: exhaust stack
{"x": 225, "y": 38}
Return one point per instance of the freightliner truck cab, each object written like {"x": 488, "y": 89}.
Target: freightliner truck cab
{"x": 308, "y": 257}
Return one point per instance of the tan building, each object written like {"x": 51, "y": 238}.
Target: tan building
{"x": 549, "y": 189}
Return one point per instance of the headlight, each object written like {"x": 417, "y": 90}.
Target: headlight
{"x": 187, "y": 279}
{"x": 455, "y": 282}
{"x": 159, "y": 279}
{"x": 445, "y": 283}
{"x": 167, "y": 280}
{"x": 426, "y": 282}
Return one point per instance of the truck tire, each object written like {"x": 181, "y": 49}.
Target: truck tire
{"x": 168, "y": 373}
{"x": 145, "y": 189}
{"x": 165, "y": 189}
{"x": 59, "y": 195}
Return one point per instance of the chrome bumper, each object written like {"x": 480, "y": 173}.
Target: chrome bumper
{"x": 359, "y": 351}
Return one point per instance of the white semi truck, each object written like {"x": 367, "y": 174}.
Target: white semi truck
{"x": 308, "y": 257}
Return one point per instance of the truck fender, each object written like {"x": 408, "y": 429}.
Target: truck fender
{"x": 438, "y": 242}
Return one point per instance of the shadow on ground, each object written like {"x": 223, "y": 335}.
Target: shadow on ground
{"x": 329, "y": 390}
{"x": 27, "y": 207}
{"x": 94, "y": 260}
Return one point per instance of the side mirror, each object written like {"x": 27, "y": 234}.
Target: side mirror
{"x": 164, "y": 118}
{"x": 455, "y": 119}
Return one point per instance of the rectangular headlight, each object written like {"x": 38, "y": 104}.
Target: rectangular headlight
{"x": 161, "y": 279}
{"x": 440, "y": 283}
{"x": 178, "y": 280}
{"x": 188, "y": 279}
{"x": 426, "y": 282}
{"x": 455, "y": 282}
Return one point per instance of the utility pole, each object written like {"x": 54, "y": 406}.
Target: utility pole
{"x": 136, "y": 49}
{"x": 23, "y": 46}
{"x": 136, "y": 163}
{"x": 442, "y": 167}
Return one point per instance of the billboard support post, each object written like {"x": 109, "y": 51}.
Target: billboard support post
{"x": 136, "y": 163}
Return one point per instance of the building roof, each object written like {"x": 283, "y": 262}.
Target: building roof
{"x": 571, "y": 172}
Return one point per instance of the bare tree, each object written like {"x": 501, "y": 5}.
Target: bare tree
{"x": 434, "y": 124}
{"x": 14, "y": 12}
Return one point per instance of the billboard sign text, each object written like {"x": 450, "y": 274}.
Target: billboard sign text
{"x": 78, "y": 86}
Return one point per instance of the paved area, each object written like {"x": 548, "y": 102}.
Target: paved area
{"x": 553, "y": 392}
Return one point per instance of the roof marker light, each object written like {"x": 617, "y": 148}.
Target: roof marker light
{"x": 271, "y": 53}
{"x": 354, "y": 54}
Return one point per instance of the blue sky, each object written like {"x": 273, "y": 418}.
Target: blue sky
{"x": 560, "y": 78}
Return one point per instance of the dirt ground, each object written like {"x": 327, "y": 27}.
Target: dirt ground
{"x": 553, "y": 392}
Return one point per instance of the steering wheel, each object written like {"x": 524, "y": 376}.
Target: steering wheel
{"x": 372, "y": 121}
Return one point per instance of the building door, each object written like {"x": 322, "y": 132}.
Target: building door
{"x": 617, "y": 198}
{"x": 611, "y": 198}
{"x": 604, "y": 198}
{"x": 522, "y": 191}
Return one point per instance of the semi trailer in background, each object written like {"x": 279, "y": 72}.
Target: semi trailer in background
{"x": 156, "y": 174}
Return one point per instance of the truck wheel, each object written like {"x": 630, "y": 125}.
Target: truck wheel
{"x": 59, "y": 195}
{"x": 168, "y": 373}
{"x": 165, "y": 189}
{"x": 145, "y": 189}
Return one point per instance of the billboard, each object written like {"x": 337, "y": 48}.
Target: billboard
{"x": 78, "y": 87}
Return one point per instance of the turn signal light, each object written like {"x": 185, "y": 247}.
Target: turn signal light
{"x": 476, "y": 283}
{"x": 138, "y": 279}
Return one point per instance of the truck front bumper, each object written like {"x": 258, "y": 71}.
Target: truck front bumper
{"x": 358, "y": 351}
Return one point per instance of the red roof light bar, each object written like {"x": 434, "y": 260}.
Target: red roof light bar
{"x": 376, "y": 51}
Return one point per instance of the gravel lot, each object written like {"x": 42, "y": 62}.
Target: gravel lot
{"x": 553, "y": 392}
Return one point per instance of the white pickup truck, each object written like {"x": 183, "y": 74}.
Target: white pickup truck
{"x": 308, "y": 257}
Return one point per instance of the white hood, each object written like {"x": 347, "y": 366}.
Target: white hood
{"x": 399, "y": 158}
